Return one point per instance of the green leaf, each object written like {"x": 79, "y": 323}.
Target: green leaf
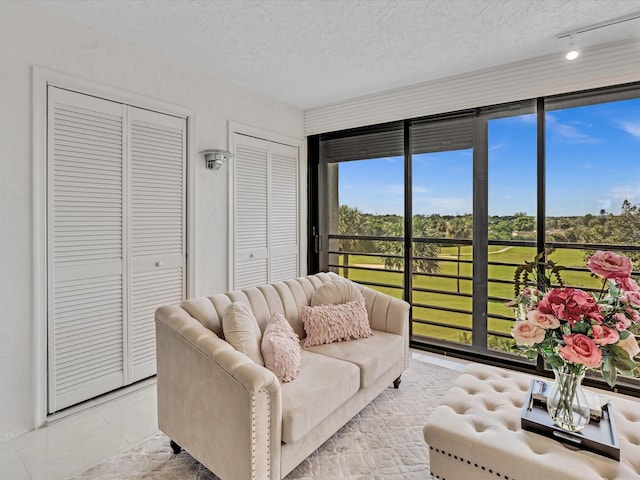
{"x": 619, "y": 352}
{"x": 624, "y": 334}
{"x": 554, "y": 361}
{"x": 624, "y": 363}
{"x": 581, "y": 327}
{"x": 609, "y": 371}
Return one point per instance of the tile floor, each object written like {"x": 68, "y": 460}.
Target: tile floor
{"x": 113, "y": 423}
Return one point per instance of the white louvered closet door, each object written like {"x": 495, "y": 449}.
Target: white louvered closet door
{"x": 251, "y": 222}
{"x": 116, "y": 240}
{"x": 284, "y": 213}
{"x": 156, "y": 190}
{"x": 86, "y": 280}
{"x": 266, "y": 213}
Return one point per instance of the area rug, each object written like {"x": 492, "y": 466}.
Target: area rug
{"x": 383, "y": 442}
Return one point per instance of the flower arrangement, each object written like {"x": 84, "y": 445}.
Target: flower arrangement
{"x": 575, "y": 330}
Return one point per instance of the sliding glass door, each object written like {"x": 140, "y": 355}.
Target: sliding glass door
{"x": 442, "y": 229}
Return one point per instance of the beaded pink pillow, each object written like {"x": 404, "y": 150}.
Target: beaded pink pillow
{"x": 281, "y": 348}
{"x": 334, "y": 323}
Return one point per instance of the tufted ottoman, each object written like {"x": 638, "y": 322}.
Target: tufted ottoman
{"x": 475, "y": 434}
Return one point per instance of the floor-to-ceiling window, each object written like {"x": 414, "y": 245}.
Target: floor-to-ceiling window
{"x": 362, "y": 209}
{"x": 512, "y": 206}
{"x": 442, "y": 229}
{"x": 485, "y": 190}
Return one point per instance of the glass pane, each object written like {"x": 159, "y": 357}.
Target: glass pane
{"x": 369, "y": 195}
{"x": 593, "y": 186}
{"x": 512, "y": 192}
{"x": 593, "y": 182}
{"x": 442, "y": 267}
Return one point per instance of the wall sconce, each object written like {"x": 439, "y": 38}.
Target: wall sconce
{"x": 215, "y": 157}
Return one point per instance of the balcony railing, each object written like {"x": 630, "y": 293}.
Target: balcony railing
{"x": 441, "y": 300}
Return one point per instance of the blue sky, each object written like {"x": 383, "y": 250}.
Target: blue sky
{"x": 593, "y": 163}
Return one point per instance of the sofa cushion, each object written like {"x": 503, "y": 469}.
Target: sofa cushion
{"x": 324, "y": 384}
{"x": 331, "y": 323}
{"x": 242, "y": 332}
{"x": 374, "y": 355}
{"x": 335, "y": 292}
{"x": 281, "y": 348}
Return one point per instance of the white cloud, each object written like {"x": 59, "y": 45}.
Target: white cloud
{"x": 529, "y": 119}
{"x": 630, "y": 127}
{"x": 570, "y": 133}
{"x": 391, "y": 188}
{"x": 442, "y": 205}
{"x": 625, "y": 192}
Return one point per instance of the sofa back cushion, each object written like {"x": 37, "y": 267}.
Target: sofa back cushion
{"x": 287, "y": 297}
{"x": 335, "y": 292}
{"x": 242, "y": 332}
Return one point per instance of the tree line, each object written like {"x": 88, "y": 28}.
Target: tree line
{"x": 605, "y": 228}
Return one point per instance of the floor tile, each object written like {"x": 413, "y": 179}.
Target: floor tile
{"x": 11, "y": 466}
{"x": 69, "y": 446}
{"x": 133, "y": 416}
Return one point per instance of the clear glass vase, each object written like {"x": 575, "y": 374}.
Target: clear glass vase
{"x": 566, "y": 403}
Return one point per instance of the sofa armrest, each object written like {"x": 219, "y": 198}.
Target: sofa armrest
{"x": 388, "y": 314}
{"x": 216, "y": 402}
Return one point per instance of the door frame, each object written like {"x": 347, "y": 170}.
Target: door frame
{"x": 42, "y": 78}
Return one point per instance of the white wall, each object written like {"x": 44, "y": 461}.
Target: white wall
{"x": 30, "y": 36}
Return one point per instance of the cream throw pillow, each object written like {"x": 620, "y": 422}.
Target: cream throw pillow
{"x": 242, "y": 332}
{"x": 281, "y": 349}
{"x": 335, "y": 292}
{"x": 331, "y": 323}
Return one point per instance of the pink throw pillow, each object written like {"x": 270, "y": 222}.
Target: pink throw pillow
{"x": 331, "y": 323}
{"x": 281, "y": 348}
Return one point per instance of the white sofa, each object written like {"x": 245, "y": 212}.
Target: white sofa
{"x": 233, "y": 415}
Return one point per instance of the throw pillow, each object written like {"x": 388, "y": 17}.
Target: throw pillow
{"x": 331, "y": 323}
{"x": 242, "y": 332}
{"x": 335, "y": 292}
{"x": 281, "y": 348}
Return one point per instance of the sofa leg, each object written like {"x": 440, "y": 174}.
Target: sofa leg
{"x": 396, "y": 382}
{"x": 175, "y": 447}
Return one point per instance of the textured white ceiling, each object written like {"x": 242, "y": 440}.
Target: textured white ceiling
{"x": 314, "y": 52}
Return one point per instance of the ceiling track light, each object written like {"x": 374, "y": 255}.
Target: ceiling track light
{"x": 573, "y": 51}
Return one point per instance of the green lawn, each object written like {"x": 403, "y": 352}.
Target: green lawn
{"x": 502, "y": 291}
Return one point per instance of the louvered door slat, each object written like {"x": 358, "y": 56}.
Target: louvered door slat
{"x": 156, "y": 218}
{"x": 85, "y": 251}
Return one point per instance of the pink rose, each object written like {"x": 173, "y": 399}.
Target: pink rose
{"x": 630, "y": 345}
{"x": 628, "y": 284}
{"x": 632, "y": 297}
{"x": 603, "y": 335}
{"x": 542, "y": 320}
{"x": 610, "y": 265}
{"x": 622, "y": 322}
{"x": 581, "y": 349}
{"x": 526, "y": 333}
{"x": 632, "y": 314}
{"x": 570, "y": 304}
